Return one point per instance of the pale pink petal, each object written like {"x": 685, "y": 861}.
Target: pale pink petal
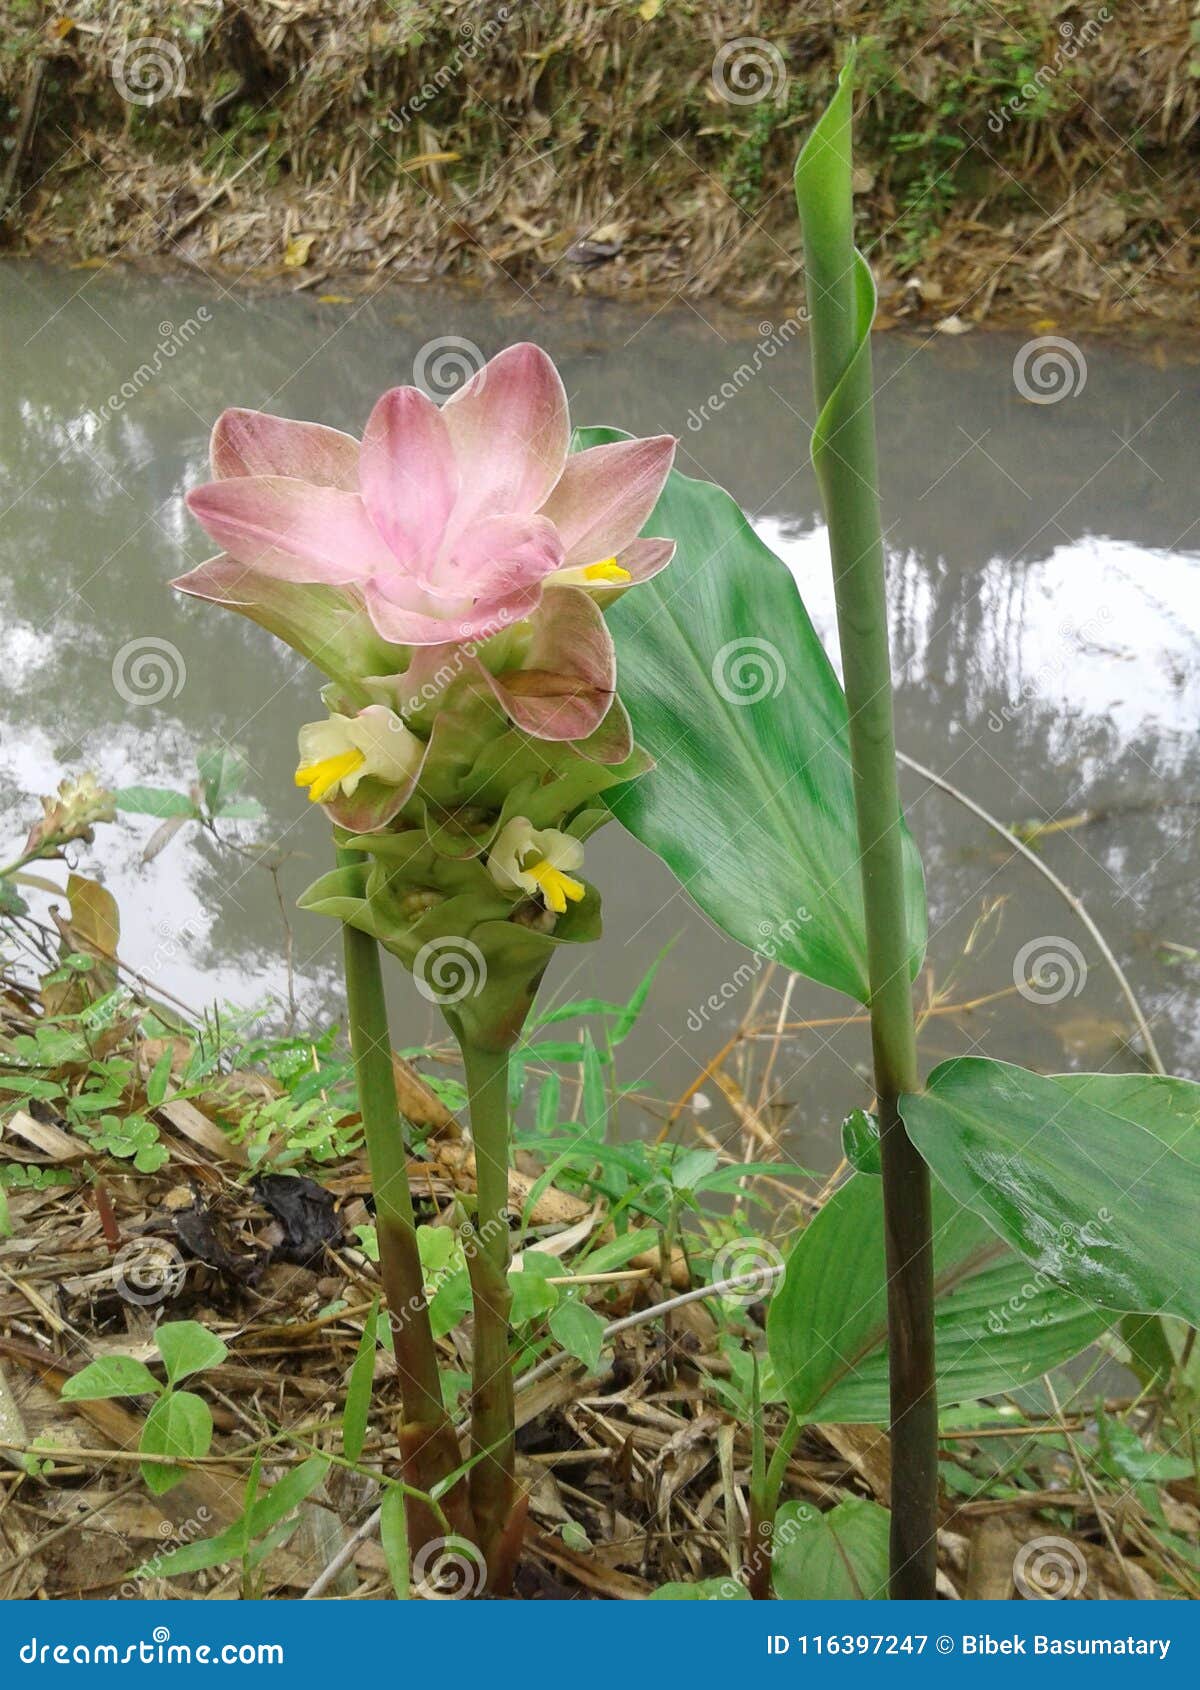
{"x": 496, "y": 556}
{"x": 291, "y": 529}
{"x": 510, "y": 431}
{"x": 606, "y": 493}
{"x": 254, "y": 443}
{"x": 643, "y": 559}
{"x": 408, "y": 473}
{"x": 327, "y": 624}
{"x": 405, "y": 626}
{"x": 567, "y": 681}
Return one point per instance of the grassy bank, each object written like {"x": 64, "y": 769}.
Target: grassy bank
{"x": 1026, "y": 161}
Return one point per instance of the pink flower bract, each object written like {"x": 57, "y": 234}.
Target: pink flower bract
{"x": 447, "y": 524}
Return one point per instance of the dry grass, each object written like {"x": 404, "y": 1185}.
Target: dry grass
{"x": 636, "y": 1476}
{"x": 585, "y": 145}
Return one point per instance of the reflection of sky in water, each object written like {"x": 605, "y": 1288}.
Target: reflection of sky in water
{"x": 1102, "y": 627}
{"x": 1046, "y": 618}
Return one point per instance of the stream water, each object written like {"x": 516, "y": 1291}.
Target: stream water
{"x": 1045, "y": 566}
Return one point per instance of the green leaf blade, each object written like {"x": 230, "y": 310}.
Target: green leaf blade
{"x": 1096, "y": 1201}
{"x": 751, "y": 727}
{"x": 997, "y": 1326}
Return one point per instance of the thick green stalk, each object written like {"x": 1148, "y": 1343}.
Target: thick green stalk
{"x": 493, "y": 1434}
{"x": 431, "y": 1449}
{"x": 841, "y": 304}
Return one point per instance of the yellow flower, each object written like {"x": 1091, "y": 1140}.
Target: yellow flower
{"x": 607, "y": 573}
{"x": 538, "y": 861}
{"x": 336, "y": 754}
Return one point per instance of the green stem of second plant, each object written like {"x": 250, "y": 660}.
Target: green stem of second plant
{"x": 493, "y": 1434}
{"x": 848, "y": 474}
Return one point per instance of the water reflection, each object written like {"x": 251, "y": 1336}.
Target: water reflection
{"x": 1046, "y": 622}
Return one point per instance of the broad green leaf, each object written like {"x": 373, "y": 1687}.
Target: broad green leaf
{"x": 750, "y": 802}
{"x": 840, "y": 1556}
{"x": 187, "y": 1347}
{"x": 704, "y": 1590}
{"x": 111, "y": 1376}
{"x": 358, "y": 1393}
{"x": 393, "y": 1535}
{"x": 580, "y": 1331}
{"x": 1159, "y": 1103}
{"x": 997, "y": 1325}
{"x": 1097, "y": 1201}
{"x": 153, "y": 801}
{"x": 179, "y": 1425}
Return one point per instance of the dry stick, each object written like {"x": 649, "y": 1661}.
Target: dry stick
{"x": 718, "y": 1288}
{"x": 1073, "y": 902}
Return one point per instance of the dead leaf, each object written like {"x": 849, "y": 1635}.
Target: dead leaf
{"x": 44, "y": 1136}
{"x": 295, "y": 254}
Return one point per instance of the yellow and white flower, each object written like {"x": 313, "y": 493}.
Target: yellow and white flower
{"x": 336, "y": 754}
{"x": 539, "y": 861}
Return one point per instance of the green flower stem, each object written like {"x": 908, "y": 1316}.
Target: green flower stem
{"x": 493, "y": 1425}
{"x": 428, "y": 1437}
{"x": 841, "y": 303}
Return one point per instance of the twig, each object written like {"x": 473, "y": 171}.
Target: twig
{"x": 522, "y": 1383}
{"x": 1064, "y": 892}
